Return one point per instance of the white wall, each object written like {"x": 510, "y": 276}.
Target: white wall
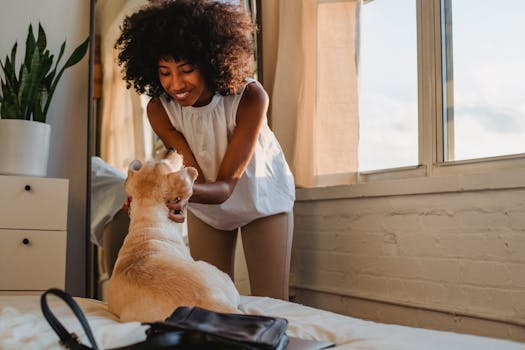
{"x": 62, "y": 20}
{"x": 452, "y": 261}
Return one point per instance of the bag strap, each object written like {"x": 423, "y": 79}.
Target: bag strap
{"x": 68, "y": 340}
{"x": 167, "y": 340}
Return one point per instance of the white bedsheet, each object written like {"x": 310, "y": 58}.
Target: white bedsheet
{"x": 22, "y": 326}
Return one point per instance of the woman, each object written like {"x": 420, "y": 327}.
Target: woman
{"x": 194, "y": 59}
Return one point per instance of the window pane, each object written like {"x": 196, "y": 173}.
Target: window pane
{"x": 388, "y": 113}
{"x": 487, "y": 110}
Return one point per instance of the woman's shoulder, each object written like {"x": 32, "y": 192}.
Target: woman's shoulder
{"x": 161, "y": 105}
{"x": 154, "y": 107}
{"x": 254, "y": 94}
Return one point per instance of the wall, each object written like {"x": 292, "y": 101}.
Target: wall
{"x": 62, "y": 20}
{"x": 446, "y": 260}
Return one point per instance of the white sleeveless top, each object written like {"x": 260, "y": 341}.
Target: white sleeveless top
{"x": 267, "y": 185}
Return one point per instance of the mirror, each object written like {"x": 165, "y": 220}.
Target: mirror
{"x": 120, "y": 132}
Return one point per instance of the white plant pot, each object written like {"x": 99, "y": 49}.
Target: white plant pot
{"x": 24, "y": 147}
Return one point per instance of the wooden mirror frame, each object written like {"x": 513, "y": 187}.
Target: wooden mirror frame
{"x": 90, "y": 283}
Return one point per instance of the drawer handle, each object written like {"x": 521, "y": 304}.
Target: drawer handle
{"x": 27, "y": 188}
{"x": 25, "y": 241}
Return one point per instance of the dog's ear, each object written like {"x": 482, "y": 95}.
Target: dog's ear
{"x": 188, "y": 174}
{"x": 135, "y": 165}
{"x": 191, "y": 172}
{"x": 180, "y": 183}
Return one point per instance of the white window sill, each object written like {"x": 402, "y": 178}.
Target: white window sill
{"x": 452, "y": 177}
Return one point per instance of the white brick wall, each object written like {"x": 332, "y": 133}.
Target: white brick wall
{"x": 455, "y": 252}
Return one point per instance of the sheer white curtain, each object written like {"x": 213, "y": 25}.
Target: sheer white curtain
{"x": 125, "y": 132}
{"x": 314, "y": 99}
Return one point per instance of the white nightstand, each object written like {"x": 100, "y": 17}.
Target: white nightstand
{"x": 33, "y": 234}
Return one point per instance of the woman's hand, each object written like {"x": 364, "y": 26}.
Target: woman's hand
{"x": 177, "y": 210}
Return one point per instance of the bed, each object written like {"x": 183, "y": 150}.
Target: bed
{"x": 22, "y": 326}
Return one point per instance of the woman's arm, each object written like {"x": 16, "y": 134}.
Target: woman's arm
{"x": 160, "y": 123}
{"x": 250, "y": 116}
{"x": 208, "y": 193}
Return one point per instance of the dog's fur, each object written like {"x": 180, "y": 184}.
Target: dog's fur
{"x": 154, "y": 272}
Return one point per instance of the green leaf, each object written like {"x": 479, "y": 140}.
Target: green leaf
{"x": 28, "y": 94}
{"x": 47, "y": 62}
{"x": 9, "y": 69}
{"x": 75, "y": 57}
{"x": 13, "y": 54}
{"x": 20, "y": 74}
{"x": 12, "y": 69}
{"x": 8, "y": 111}
{"x": 6, "y": 68}
{"x": 62, "y": 48}
{"x": 52, "y": 74}
{"x": 9, "y": 107}
{"x": 38, "y": 112}
{"x": 31, "y": 84}
{"x": 10, "y": 86}
{"x": 77, "y": 54}
{"x": 41, "y": 41}
{"x": 23, "y": 92}
{"x": 30, "y": 46}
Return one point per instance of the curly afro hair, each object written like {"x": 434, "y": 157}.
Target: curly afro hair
{"x": 215, "y": 36}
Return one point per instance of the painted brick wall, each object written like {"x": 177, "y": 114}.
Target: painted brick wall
{"x": 461, "y": 253}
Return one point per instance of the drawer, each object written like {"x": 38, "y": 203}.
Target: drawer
{"x": 32, "y": 260}
{"x": 33, "y": 203}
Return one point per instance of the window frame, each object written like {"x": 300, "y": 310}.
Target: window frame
{"x": 432, "y": 94}
{"x": 433, "y": 174}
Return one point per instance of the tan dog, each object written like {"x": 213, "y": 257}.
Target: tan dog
{"x": 154, "y": 272}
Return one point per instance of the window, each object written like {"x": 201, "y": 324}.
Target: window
{"x": 382, "y": 89}
{"x": 440, "y": 81}
{"x": 484, "y": 102}
{"x": 388, "y": 85}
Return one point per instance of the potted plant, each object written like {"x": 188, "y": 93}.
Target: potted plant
{"x": 25, "y": 97}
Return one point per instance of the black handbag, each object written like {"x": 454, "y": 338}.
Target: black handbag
{"x": 187, "y": 328}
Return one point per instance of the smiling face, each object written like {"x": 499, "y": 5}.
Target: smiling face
{"x": 184, "y": 83}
